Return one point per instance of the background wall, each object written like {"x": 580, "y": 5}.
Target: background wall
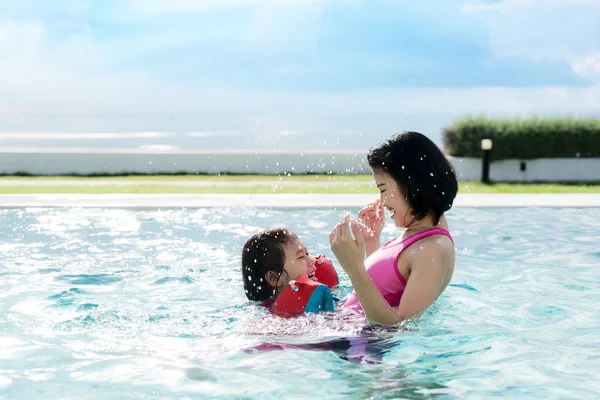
{"x": 115, "y": 161}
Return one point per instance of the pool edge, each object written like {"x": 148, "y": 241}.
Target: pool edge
{"x": 281, "y": 200}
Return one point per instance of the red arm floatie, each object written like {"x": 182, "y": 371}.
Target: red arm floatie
{"x": 326, "y": 273}
{"x": 302, "y": 295}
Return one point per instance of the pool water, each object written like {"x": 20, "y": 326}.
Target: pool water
{"x": 149, "y": 304}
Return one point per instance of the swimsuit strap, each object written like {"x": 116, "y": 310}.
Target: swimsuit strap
{"x": 426, "y": 233}
{"x": 418, "y": 236}
{"x": 415, "y": 238}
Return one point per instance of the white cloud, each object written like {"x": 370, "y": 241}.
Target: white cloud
{"x": 510, "y": 6}
{"x": 71, "y": 81}
{"x": 83, "y": 135}
{"x": 502, "y": 6}
{"x": 565, "y": 30}
{"x": 213, "y": 134}
{"x": 587, "y": 66}
{"x": 179, "y": 6}
{"x": 67, "y": 77}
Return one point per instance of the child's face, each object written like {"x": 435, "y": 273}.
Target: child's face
{"x": 298, "y": 262}
{"x": 393, "y": 199}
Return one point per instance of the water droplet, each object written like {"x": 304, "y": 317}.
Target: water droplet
{"x": 431, "y": 173}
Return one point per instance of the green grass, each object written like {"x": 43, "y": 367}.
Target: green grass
{"x": 478, "y": 187}
{"x": 364, "y": 187}
{"x": 160, "y": 189}
{"x": 204, "y": 178}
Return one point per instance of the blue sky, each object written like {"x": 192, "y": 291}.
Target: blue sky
{"x": 283, "y": 73}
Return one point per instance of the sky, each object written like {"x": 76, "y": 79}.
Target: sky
{"x": 305, "y": 74}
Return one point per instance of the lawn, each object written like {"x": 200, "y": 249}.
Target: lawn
{"x": 326, "y": 184}
{"x": 198, "y": 177}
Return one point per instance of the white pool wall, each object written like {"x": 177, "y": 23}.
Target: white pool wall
{"x": 86, "y": 161}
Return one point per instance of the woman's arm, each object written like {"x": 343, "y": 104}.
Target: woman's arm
{"x": 376, "y": 308}
{"x": 423, "y": 286}
{"x": 371, "y": 246}
{"x": 350, "y": 253}
{"x": 426, "y": 279}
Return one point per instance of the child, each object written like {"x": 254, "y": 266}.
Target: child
{"x": 417, "y": 185}
{"x": 277, "y": 270}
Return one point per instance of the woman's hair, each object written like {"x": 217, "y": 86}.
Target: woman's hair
{"x": 423, "y": 173}
{"x": 262, "y": 253}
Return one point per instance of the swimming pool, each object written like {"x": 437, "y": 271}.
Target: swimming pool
{"x": 99, "y": 303}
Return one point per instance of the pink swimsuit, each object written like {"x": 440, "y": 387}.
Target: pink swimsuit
{"x": 382, "y": 267}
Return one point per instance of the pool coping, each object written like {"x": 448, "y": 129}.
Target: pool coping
{"x": 153, "y": 201}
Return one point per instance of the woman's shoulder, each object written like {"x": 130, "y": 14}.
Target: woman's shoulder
{"x": 439, "y": 242}
{"x": 435, "y": 246}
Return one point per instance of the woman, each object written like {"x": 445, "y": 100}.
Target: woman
{"x": 406, "y": 275}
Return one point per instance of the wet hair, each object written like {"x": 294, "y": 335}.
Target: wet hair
{"x": 263, "y": 252}
{"x": 423, "y": 173}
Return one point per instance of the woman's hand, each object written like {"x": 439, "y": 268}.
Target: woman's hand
{"x": 349, "y": 251}
{"x": 371, "y": 220}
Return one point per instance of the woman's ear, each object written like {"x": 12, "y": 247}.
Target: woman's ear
{"x": 272, "y": 278}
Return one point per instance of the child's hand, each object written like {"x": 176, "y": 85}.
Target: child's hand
{"x": 371, "y": 220}
{"x": 349, "y": 251}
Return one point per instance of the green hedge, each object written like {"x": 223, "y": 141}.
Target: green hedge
{"x": 524, "y": 139}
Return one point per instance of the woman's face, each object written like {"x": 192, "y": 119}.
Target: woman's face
{"x": 393, "y": 199}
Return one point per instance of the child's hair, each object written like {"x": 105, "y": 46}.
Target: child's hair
{"x": 422, "y": 172}
{"x": 262, "y": 253}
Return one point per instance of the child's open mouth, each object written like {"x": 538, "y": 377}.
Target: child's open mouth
{"x": 313, "y": 277}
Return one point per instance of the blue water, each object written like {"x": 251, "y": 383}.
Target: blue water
{"x": 148, "y": 304}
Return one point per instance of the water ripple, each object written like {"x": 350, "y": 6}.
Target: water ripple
{"x": 149, "y": 304}
{"x": 87, "y": 279}
{"x": 185, "y": 279}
